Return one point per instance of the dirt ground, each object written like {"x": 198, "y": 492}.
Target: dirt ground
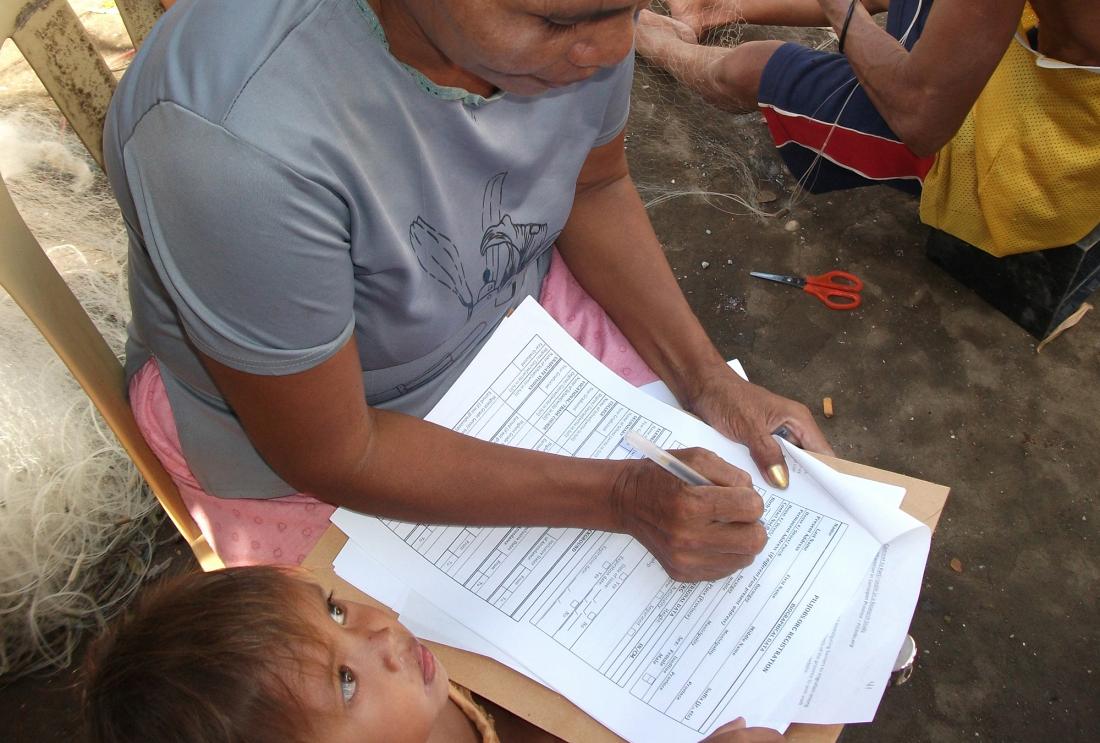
{"x": 926, "y": 380}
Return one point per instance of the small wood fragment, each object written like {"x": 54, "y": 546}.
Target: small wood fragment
{"x": 956, "y": 564}
{"x": 1065, "y": 325}
{"x": 827, "y": 407}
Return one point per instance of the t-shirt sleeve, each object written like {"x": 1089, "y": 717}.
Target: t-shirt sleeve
{"x": 255, "y": 256}
{"x": 618, "y": 103}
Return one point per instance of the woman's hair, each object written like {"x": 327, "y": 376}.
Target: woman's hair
{"x": 204, "y": 659}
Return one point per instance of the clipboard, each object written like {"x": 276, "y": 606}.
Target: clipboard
{"x": 549, "y": 710}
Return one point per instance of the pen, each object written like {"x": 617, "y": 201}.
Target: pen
{"x": 663, "y": 459}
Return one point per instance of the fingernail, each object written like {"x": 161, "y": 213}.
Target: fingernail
{"x": 777, "y": 473}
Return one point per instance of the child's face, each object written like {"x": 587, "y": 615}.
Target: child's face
{"x": 373, "y": 678}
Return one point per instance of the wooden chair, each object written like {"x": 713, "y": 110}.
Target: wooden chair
{"x": 55, "y": 44}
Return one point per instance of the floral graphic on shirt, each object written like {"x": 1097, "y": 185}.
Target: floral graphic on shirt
{"x": 506, "y": 250}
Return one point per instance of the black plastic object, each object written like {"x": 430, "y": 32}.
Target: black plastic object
{"x": 1036, "y": 290}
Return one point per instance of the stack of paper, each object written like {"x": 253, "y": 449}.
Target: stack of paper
{"x": 807, "y": 633}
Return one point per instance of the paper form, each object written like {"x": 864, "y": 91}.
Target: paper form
{"x": 420, "y": 616}
{"x": 594, "y": 614}
{"x": 423, "y": 618}
{"x": 844, "y": 681}
{"x": 845, "y": 684}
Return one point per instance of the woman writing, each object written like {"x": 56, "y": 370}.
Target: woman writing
{"x": 355, "y": 195}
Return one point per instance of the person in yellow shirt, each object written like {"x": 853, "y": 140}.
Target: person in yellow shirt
{"x": 988, "y": 109}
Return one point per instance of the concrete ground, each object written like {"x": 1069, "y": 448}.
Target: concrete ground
{"x": 926, "y": 380}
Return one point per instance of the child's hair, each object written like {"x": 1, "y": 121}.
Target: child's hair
{"x": 204, "y": 659}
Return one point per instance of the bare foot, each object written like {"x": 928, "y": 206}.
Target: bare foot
{"x": 658, "y": 34}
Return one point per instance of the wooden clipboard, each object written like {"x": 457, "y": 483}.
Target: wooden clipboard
{"x": 553, "y": 712}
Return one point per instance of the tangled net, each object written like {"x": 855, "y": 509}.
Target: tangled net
{"x": 76, "y": 523}
{"x": 726, "y": 160}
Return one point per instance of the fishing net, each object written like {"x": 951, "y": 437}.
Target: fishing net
{"x": 77, "y": 526}
{"x": 723, "y": 159}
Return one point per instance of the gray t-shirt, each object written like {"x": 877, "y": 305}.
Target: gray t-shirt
{"x": 288, "y": 184}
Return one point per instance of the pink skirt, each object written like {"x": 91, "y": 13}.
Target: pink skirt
{"x": 284, "y": 530}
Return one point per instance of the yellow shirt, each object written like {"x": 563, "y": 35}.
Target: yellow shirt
{"x": 1023, "y": 172}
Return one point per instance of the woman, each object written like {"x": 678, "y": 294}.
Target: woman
{"x": 355, "y": 195}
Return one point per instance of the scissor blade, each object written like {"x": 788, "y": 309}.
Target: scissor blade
{"x": 788, "y": 280}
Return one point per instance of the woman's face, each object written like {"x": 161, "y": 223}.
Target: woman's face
{"x": 527, "y": 47}
{"x": 372, "y": 680}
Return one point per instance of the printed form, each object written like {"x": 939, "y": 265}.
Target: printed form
{"x": 594, "y": 615}
{"x": 845, "y": 683}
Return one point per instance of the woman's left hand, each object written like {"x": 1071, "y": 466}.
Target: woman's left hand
{"x": 750, "y": 414}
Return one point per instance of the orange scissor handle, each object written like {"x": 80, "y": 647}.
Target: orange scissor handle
{"x": 837, "y": 280}
{"x": 837, "y": 290}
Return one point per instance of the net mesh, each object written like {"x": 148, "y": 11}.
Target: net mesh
{"x": 77, "y": 527}
{"x": 724, "y": 159}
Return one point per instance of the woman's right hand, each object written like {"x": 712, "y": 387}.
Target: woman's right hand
{"x": 738, "y": 732}
{"x": 695, "y": 532}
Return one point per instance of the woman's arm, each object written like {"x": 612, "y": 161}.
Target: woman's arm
{"x": 611, "y": 248}
{"x": 925, "y": 94}
{"x": 316, "y": 431}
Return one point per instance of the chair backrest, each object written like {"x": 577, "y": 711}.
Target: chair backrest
{"x": 58, "y": 49}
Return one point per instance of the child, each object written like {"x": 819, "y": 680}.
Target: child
{"x": 263, "y": 654}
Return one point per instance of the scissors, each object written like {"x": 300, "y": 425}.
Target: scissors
{"x": 837, "y": 290}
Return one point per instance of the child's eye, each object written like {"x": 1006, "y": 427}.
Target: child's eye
{"x": 347, "y": 683}
{"x": 336, "y": 611}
